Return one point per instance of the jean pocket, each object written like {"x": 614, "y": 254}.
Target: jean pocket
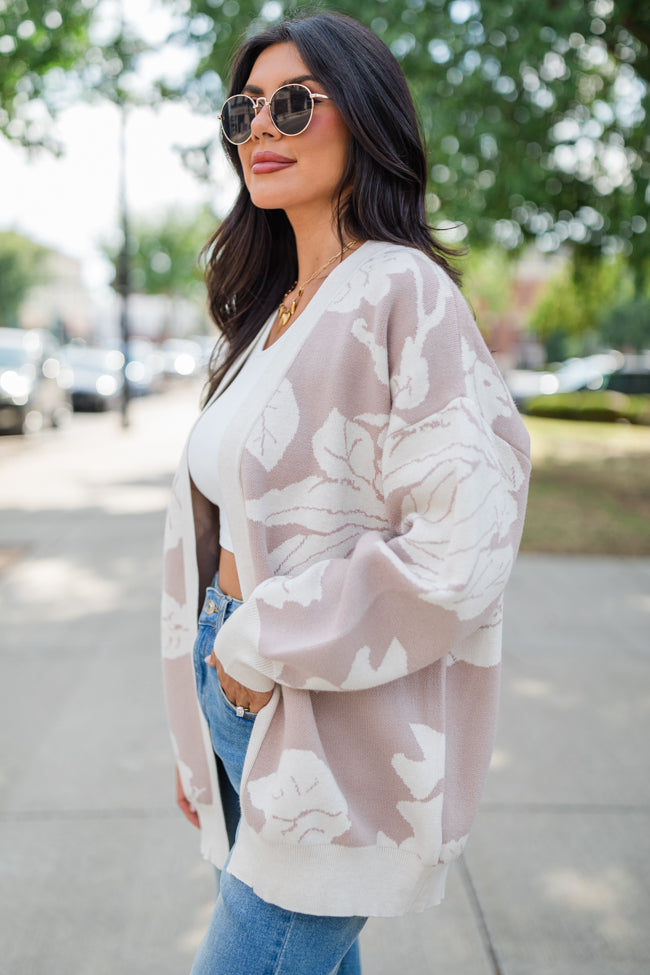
{"x": 238, "y": 712}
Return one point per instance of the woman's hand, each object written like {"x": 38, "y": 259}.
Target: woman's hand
{"x": 237, "y": 694}
{"x": 184, "y": 804}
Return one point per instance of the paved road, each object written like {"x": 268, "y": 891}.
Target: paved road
{"x": 100, "y": 874}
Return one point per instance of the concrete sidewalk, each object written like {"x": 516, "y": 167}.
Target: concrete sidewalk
{"x": 100, "y": 873}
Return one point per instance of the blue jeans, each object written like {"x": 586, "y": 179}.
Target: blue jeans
{"x": 246, "y": 934}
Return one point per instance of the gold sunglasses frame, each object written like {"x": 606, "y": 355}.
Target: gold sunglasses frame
{"x": 262, "y": 102}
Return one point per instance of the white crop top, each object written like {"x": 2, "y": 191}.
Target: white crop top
{"x": 208, "y": 432}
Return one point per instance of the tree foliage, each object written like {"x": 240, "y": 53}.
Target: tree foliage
{"x": 627, "y": 327}
{"x": 40, "y": 40}
{"x": 535, "y": 116}
{"x": 164, "y": 254}
{"x": 574, "y": 304}
{"x": 21, "y": 268}
{"x": 58, "y": 52}
{"x": 487, "y": 283}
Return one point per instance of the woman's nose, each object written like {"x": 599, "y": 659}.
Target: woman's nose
{"x": 262, "y": 124}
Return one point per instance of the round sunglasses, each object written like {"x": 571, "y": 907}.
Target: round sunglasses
{"x": 290, "y": 107}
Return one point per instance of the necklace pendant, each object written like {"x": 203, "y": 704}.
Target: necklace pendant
{"x": 285, "y": 314}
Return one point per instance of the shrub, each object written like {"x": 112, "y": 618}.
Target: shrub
{"x": 604, "y": 406}
{"x": 639, "y": 412}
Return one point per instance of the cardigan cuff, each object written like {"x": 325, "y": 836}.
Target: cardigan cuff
{"x": 235, "y": 647}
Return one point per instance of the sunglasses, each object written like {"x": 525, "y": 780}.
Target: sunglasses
{"x": 290, "y": 107}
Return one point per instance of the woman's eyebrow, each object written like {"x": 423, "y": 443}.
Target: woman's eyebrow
{"x": 300, "y": 80}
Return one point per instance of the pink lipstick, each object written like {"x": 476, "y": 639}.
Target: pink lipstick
{"x": 269, "y": 162}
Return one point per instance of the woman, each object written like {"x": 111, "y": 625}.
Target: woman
{"x": 344, "y": 520}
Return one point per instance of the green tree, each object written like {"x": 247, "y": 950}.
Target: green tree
{"x": 627, "y": 326}
{"x": 59, "y": 52}
{"x": 535, "y": 116}
{"x": 164, "y": 254}
{"x": 21, "y": 268}
{"x": 488, "y": 280}
{"x": 41, "y": 41}
{"x": 575, "y": 303}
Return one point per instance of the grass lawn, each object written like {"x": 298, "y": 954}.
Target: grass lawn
{"x": 590, "y": 488}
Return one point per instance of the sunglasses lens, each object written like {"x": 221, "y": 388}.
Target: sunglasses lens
{"x": 291, "y": 108}
{"x": 236, "y": 116}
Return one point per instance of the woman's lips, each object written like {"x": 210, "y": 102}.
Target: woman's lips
{"x": 269, "y": 162}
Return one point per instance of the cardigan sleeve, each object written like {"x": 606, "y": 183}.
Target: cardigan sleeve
{"x": 454, "y": 472}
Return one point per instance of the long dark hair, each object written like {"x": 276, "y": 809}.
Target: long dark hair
{"x": 251, "y": 259}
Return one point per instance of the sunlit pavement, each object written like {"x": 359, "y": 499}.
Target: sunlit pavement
{"x": 100, "y": 874}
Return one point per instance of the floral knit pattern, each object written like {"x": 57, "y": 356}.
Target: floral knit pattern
{"x": 378, "y": 487}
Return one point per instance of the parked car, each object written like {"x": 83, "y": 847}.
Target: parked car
{"x": 144, "y": 369}
{"x": 97, "y": 379}
{"x": 633, "y": 376}
{"x": 525, "y": 384}
{"x": 590, "y": 372}
{"x": 34, "y": 384}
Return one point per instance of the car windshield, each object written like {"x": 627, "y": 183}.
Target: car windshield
{"x": 12, "y": 357}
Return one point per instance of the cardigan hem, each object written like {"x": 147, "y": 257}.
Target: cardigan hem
{"x": 214, "y": 843}
{"x": 337, "y": 881}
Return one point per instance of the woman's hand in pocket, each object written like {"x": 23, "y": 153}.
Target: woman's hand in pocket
{"x": 238, "y": 694}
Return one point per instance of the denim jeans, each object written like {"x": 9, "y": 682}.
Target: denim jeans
{"x": 246, "y": 934}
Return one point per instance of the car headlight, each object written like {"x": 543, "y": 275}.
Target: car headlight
{"x": 184, "y": 364}
{"x": 106, "y": 385}
{"x": 135, "y": 371}
{"x": 15, "y": 386}
{"x": 51, "y": 368}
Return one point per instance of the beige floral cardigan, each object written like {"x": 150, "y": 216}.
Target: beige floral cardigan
{"x": 375, "y": 484}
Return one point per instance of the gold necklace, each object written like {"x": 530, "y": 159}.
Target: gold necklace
{"x": 286, "y": 314}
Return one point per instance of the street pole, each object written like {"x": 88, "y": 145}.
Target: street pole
{"x": 124, "y": 267}
{"x": 124, "y": 258}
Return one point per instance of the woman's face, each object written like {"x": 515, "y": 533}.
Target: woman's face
{"x": 301, "y": 174}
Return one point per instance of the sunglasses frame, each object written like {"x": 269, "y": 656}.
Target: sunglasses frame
{"x": 261, "y": 102}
